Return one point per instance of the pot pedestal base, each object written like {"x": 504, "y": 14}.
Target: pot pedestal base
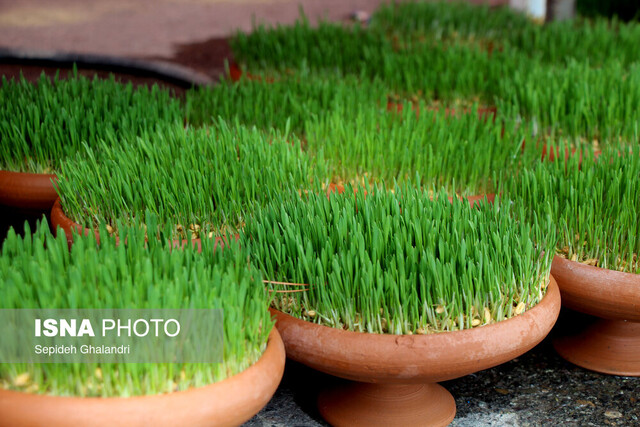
{"x": 365, "y": 404}
{"x": 607, "y": 346}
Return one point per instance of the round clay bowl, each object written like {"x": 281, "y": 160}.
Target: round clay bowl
{"x": 609, "y": 342}
{"x": 597, "y": 291}
{"x": 227, "y": 403}
{"x": 29, "y": 191}
{"x": 60, "y": 220}
{"x": 401, "y": 370}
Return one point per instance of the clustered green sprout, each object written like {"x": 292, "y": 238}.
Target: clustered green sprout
{"x": 594, "y": 204}
{"x": 459, "y": 150}
{"x": 401, "y": 261}
{"x": 576, "y": 80}
{"x": 42, "y": 124}
{"x": 202, "y": 181}
{"x": 596, "y": 39}
{"x": 578, "y": 101}
{"x": 286, "y": 103}
{"x": 326, "y": 46}
{"x": 39, "y": 271}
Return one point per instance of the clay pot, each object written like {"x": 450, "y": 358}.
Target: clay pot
{"x": 394, "y": 376}
{"x": 227, "y": 403}
{"x": 609, "y": 342}
{"x": 60, "y": 220}
{"x": 32, "y": 191}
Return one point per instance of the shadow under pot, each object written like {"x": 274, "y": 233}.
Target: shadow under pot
{"x": 393, "y": 378}
{"x": 609, "y": 340}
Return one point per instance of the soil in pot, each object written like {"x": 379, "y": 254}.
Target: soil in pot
{"x": 339, "y": 189}
{"x": 59, "y": 221}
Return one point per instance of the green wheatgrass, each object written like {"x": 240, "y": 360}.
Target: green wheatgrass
{"x": 42, "y": 124}
{"x": 428, "y": 70}
{"x": 597, "y": 41}
{"x": 325, "y": 46}
{"x": 409, "y": 23}
{"x": 39, "y": 271}
{"x": 594, "y": 205}
{"x": 286, "y": 102}
{"x": 347, "y": 124}
{"x": 202, "y": 181}
{"x": 458, "y": 148}
{"x": 575, "y": 80}
{"x": 401, "y": 263}
{"x": 576, "y": 100}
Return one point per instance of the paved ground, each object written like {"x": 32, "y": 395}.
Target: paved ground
{"x": 151, "y": 28}
{"x": 538, "y": 388}
{"x": 147, "y": 28}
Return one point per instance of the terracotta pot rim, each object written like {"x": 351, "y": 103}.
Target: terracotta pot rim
{"x": 27, "y": 174}
{"x": 631, "y": 277}
{"x": 27, "y": 190}
{"x": 139, "y": 410}
{"x": 598, "y": 291}
{"x": 434, "y": 357}
{"x": 58, "y": 217}
{"x": 422, "y": 336}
